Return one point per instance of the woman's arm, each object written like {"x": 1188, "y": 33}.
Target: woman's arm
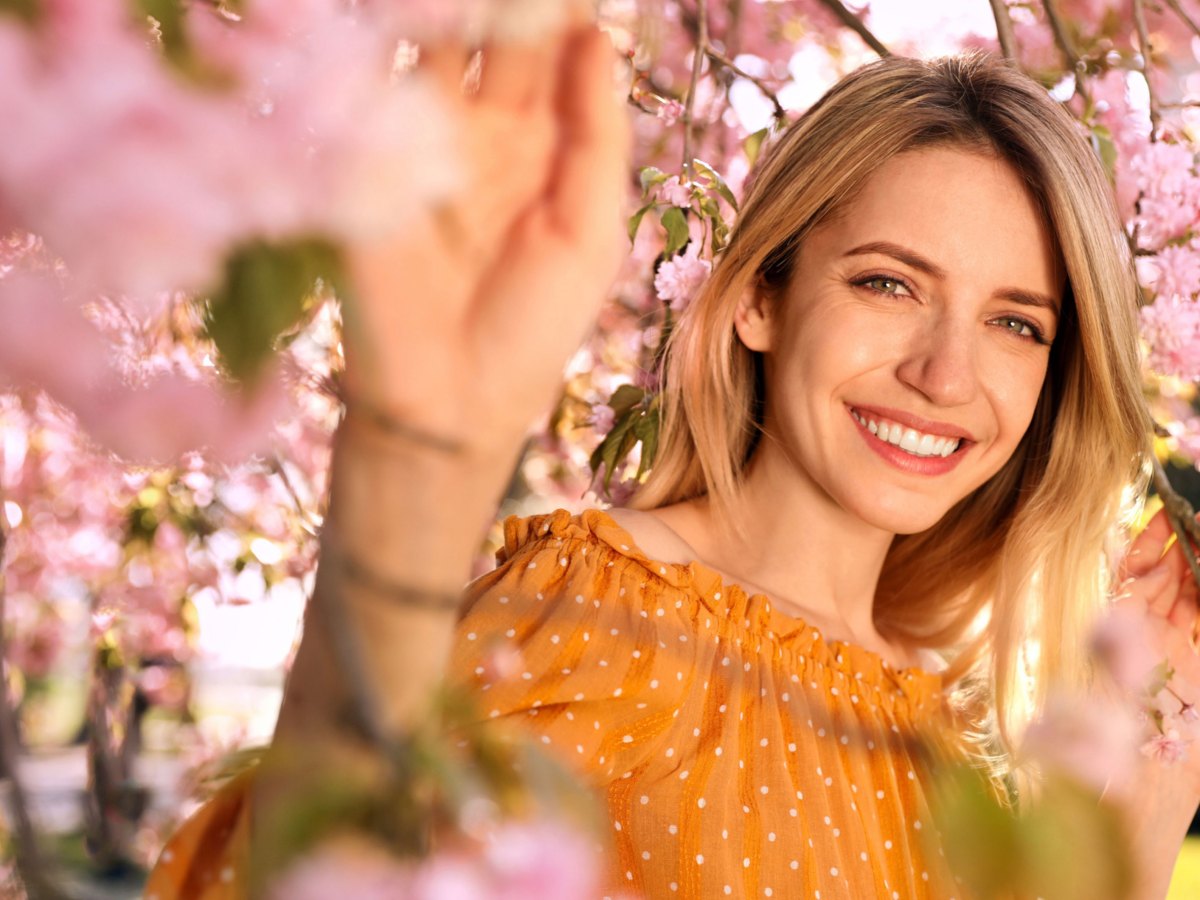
{"x": 455, "y": 340}
{"x": 1157, "y": 815}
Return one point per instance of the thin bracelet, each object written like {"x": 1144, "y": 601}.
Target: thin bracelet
{"x": 398, "y": 428}
{"x": 400, "y": 594}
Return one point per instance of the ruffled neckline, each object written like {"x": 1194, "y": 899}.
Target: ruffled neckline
{"x": 760, "y": 617}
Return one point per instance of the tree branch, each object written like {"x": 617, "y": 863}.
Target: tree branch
{"x": 1004, "y": 30}
{"x": 1077, "y": 65}
{"x": 1139, "y": 21}
{"x": 1182, "y": 13}
{"x": 767, "y": 92}
{"x": 855, "y": 24}
{"x": 1181, "y": 516}
{"x": 697, "y": 67}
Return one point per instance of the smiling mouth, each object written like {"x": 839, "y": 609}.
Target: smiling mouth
{"x": 916, "y": 443}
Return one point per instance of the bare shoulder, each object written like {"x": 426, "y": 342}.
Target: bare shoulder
{"x": 653, "y": 536}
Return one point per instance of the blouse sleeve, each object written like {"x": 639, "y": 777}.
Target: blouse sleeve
{"x": 579, "y": 644}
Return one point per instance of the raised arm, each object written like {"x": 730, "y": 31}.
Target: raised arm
{"x": 455, "y": 341}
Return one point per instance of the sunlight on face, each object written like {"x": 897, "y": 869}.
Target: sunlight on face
{"x": 905, "y": 360}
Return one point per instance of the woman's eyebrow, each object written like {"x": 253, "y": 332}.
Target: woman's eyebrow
{"x": 903, "y": 254}
{"x": 922, "y": 264}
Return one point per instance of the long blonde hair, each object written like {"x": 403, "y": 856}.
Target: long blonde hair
{"x": 1028, "y": 549}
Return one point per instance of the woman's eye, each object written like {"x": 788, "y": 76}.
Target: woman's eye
{"x": 884, "y": 284}
{"x": 1021, "y": 328}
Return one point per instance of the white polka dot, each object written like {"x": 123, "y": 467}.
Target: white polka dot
{"x": 833, "y": 871}
{"x": 617, "y": 825}
{"x": 645, "y": 854}
{"x": 887, "y": 845}
{"x": 863, "y": 856}
{"x": 794, "y": 864}
{"x": 700, "y": 803}
{"x": 728, "y": 890}
{"x": 699, "y": 859}
{"x": 645, "y": 799}
{"x": 671, "y": 829}
{"x": 879, "y": 794}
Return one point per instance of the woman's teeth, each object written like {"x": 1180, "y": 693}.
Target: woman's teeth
{"x": 908, "y": 439}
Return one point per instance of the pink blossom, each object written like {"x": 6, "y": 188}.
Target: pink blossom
{"x": 1178, "y": 270}
{"x": 670, "y": 112}
{"x": 1171, "y": 328}
{"x": 1186, "y": 434}
{"x": 541, "y": 859}
{"x": 678, "y": 279}
{"x": 1121, "y": 642}
{"x": 1166, "y": 748}
{"x": 603, "y": 417}
{"x": 1092, "y": 740}
{"x": 348, "y": 867}
{"x": 676, "y": 191}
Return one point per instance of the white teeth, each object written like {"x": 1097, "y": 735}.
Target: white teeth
{"x": 909, "y": 439}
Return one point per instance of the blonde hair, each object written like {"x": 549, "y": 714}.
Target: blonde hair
{"x": 1029, "y": 549}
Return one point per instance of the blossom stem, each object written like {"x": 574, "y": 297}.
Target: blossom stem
{"x": 1182, "y": 13}
{"x": 698, "y": 56}
{"x": 1181, "y": 516}
{"x": 1078, "y": 66}
{"x": 1139, "y": 21}
{"x": 855, "y": 24}
{"x": 1004, "y": 30}
{"x": 728, "y": 63}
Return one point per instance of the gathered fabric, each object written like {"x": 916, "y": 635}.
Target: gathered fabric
{"x": 736, "y": 752}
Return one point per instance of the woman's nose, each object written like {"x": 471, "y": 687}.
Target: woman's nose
{"x": 942, "y": 362}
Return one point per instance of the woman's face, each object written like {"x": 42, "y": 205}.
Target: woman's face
{"x": 905, "y": 359}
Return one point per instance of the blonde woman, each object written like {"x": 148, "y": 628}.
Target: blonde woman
{"x": 908, "y": 395}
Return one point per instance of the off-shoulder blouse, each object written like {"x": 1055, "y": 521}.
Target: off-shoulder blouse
{"x": 737, "y": 752}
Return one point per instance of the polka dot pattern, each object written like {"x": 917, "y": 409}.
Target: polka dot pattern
{"x": 738, "y": 753}
{"x": 744, "y": 756}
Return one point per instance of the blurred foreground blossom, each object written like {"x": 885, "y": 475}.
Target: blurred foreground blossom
{"x": 520, "y": 861}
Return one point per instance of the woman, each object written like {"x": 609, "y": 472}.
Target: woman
{"x": 908, "y": 394}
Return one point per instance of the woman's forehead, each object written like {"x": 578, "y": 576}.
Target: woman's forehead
{"x": 966, "y": 213}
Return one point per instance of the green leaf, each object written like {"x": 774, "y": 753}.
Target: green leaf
{"x": 753, "y": 145}
{"x": 170, "y": 16}
{"x": 651, "y": 176}
{"x": 263, "y": 294}
{"x": 635, "y": 221}
{"x": 646, "y": 428}
{"x": 1161, "y": 674}
{"x": 674, "y": 220}
{"x": 1106, "y": 149}
{"x": 28, "y": 11}
{"x": 625, "y": 398}
{"x": 718, "y": 182}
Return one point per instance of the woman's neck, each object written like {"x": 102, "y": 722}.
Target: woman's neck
{"x": 798, "y": 547}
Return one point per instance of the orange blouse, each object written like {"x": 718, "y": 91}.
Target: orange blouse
{"x": 738, "y": 752}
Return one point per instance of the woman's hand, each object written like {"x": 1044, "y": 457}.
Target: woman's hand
{"x": 1163, "y": 795}
{"x": 1160, "y": 585}
{"x": 462, "y": 322}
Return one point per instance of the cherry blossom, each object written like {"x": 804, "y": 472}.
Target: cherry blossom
{"x": 679, "y": 277}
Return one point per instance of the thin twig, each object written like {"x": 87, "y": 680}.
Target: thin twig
{"x": 1004, "y": 30}
{"x": 1077, "y": 65}
{"x": 1181, "y": 516}
{"x": 697, "y": 67}
{"x": 737, "y": 70}
{"x": 1139, "y": 21}
{"x": 851, "y": 21}
{"x": 31, "y": 867}
{"x": 1182, "y": 13}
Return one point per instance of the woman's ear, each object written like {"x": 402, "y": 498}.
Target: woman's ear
{"x": 753, "y": 318}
